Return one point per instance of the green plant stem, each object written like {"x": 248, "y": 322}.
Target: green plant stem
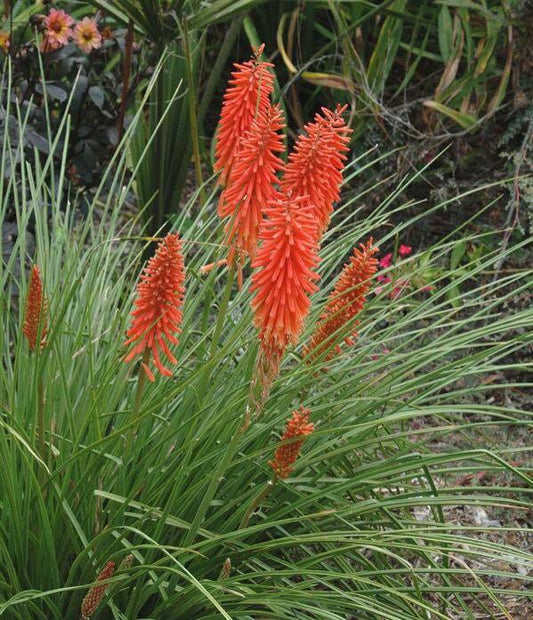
{"x": 141, "y": 381}
{"x": 256, "y": 501}
{"x": 191, "y": 92}
{"x": 40, "y": 420}
{"x": 223, "y": 310}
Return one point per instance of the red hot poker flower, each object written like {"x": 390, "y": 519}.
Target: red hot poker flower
{"x": 287, "y": 453}
{"x": 96, "y": 593}
{"x": 345, "y": 301}
{"x": 316, "y": 163}
{"x": 157, "y": 316}
{"x": 284, "y": 276}
{"x": 247, "y": 95}
{"x": 35, "y": 311}
{"x": 252, "y": 181}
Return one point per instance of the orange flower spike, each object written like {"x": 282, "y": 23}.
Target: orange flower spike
{"x": 345, "y": 301}
{"x": 316, "y": 163}
{"x": 287, "y": 453}
{"x": 35, "y": 311}
{"x": 252, "y": 181}
{"x": 284, "y": 274}
{"x": 156, "y": 317}
{"x": 247, "y": 95}
{"x": 97, "y": 591}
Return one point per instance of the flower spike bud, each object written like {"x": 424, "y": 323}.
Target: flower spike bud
{"x": 157, "y": 316}
{"x": 97, "y": 592}
{"x": 315, "y": 165}
{"x": 247, "y": 95}
{"x": 35, "y": 311}
{"x": 252, "y": 182}
{"x": 287, "y": 453}
{"x": 284, "y": 274}
{"x": 345, "y": 302}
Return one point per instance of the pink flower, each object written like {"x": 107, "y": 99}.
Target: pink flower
{"x": 57, "y": 30}
{"x": 405, "y": 250}
{"x": 86, "y": 35}
{"x": 386, "y": 261}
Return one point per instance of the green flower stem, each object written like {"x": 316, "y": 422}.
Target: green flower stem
{"x": 256, "y": 502}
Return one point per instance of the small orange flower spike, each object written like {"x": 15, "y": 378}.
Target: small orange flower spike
{"x": 284, "y": 276}
{"x": 287, "y": 453}
{"x": 252, "y": 182}
{"x": 96, "y": 593}
{"x": 345, "y": 302}
{"x": 247, "y": 95}
{"x": 315, "y": 165}
{"x": 157, "y": 316}
{"x": 35, "y": 311}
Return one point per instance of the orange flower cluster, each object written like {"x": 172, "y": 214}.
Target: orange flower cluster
{"x": 314, "y": 171}
{"x": 157, "y": 314}
{"x": 252, "y": 181}
{"x": 58, "y": 30}
{"x": 35, "y": 311}
{"x": 284, "y": 276}
{"x": 287, "y": 453}
{"x": 247, "y": 96}
{"x": 96, "y": 593}
{"x": 345, "y": 302}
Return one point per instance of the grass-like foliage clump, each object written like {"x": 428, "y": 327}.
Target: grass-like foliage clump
{"x": 295, "y": 475}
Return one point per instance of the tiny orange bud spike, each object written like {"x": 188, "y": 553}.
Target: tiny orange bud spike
{"x": 345, "y": 302}
{"x": 284, "y": 275}
{"x": 247, "y": 95}
{"x": 287, "y": 453}
{"x": 97, "y": 591}
{"x": 35, "y": 311}
{"x": 252, "y": 181}
{"x": 315, "y": 165}
{"x": 156, "y": 317}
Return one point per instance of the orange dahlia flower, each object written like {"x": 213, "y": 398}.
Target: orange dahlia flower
{"x": 35, "y": 311}
{"x": 314, "y": 171}
{"x": 57, "y": 30}
{"x": 287, "y": 453}
{"x": 284, "y": 276}
{"x": 247, "y": 95}
{"x": 96, "y": 593}
{"x": 157, "y": 316}
{"x": 345, "y": 302}
{"x": 86, "y": 35}
{"x": 252, "y": 181}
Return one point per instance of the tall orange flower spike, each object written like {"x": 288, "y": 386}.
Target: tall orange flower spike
{"x": 284, "y": 274}
{"x": 157, "y": 316}
{"x": 287, "y": 453}
{"x": 345, "y": 302}
{"x": 315, "y": 165}
{"x": 247, "y": 95}
{"x": 35, "y": 311}
{"x": 252, "y": 181}
{"x": 96, "y": 593}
